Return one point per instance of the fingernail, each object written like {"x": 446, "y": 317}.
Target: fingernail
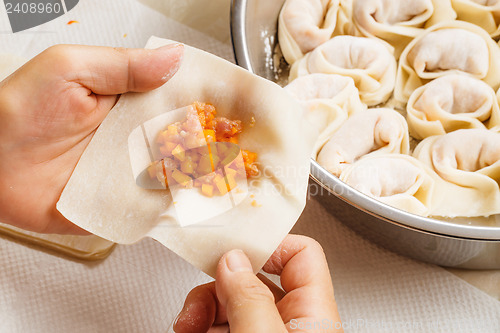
{"x": 175, "y": 51}
{"x": 237, "y": 261}
{"x": 170, "y": 46}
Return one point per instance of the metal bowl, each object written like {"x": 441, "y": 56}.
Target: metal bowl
{"x": 466, "y": 243}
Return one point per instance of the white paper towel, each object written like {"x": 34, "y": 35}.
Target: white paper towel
{"x": 210, "y": 17}
{"x": 117, "y": 23}
{"x": 140, "y": 288}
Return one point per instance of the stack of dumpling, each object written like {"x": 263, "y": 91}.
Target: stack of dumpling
{"x": 374, "y": 76}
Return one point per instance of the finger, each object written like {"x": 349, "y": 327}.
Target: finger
{"x": 219, "y": 329}
{"x": 278, "y": 293}
{"x": 201, "y": 311}
{"x": 249, "y": 303}
{"x": 305, "y": 277}
{"x": 61, "y": 225}
{"x": 56, "y": 224}
{"x": 89, "y": 78}
{"x": 110, "y": 71}
{"x": 198, "y": 313}
{"x": 104, "y": 103}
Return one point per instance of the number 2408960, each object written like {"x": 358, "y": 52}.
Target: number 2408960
{"x": 33, "y": 8}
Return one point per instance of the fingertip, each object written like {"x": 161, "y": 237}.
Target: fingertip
{"x": 236, "y": 261}
{"x": 172, "y": 54}
{"x": 186, "y": 320}
{"x": 150, "y": 69}
{"x": 198, "y": 313}
{"x": 249, "y": 303}
{"x": 289, "y": 248}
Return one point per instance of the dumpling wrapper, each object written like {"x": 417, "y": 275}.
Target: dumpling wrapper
{"x": 450, "y": 103}
{"x": 398, "y": 22}
{"x": 397, "y": 180}
{"x": 446, "y": 48}
{"x": 328, "y": 100}
{"x": 368, "y": 61}
{"x": 102, "y": 196}
{"x": 376, "y": 131}
{"x": 469, "y": 163}
{"x": 484, "y": 13}
{"x": 304, "y": 25}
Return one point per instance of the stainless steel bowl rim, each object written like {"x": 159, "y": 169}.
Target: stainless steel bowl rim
{"x": 347, "y": 193}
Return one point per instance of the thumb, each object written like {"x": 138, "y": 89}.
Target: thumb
{"x": 248, "y": 302}
{"x": 112, "y": 71}
{"x": 137, "y": 70}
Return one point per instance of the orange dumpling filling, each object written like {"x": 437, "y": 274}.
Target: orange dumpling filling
{"x": 190, "y": 157}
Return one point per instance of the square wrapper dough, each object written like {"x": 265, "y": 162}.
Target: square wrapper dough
{"x": 103, "y": 198}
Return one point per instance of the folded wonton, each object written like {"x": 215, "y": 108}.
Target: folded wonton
{"x": 450, "y": 103}
{"x": 468, "y": 161}
{"x": 344, "y": 24}
{"x": 484, "y": 13}
{"x": 398, "y": 22}
{"x": 304, "y": 25}
{"x": 103, "y": 197}
{"x": 397, "y": 180}
{"x": 376, "y": 131}
{"x": 367, "y": 60}
{"x": 328, "y": 100}
{"x": 445, "y": 48}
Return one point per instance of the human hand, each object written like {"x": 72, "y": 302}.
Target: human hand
{"x": 50, "y": 109}
{"x": 240, "y": 301}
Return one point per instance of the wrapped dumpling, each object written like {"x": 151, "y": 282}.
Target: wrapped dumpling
{"x": 468, "y": 161}
{"x": 397, "y": 180}
{"x": 328, "y": 100}
{"x": 398, "y": 22}
{"x": 304, "y": 25}
{"x": 484, "y": 13}
{"x": 450, "y": 103}
{"x": 368, "y": 61}
{"x": 377, "y": 131}
{"x": 445, "y": 48}
{"x": 344, "y": 24}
